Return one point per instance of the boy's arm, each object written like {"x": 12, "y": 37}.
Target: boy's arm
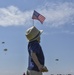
{"x": 35, "y": 59}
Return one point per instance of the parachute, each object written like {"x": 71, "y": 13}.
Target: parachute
{"x": 5, "y": 49}
{"x": 3, "y": 42}
{"x": 56, "y": 59}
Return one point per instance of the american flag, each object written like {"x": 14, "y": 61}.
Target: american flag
{"x": 38, "y": 16}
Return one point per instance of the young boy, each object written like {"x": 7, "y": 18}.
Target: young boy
{"x": 36, "y": 56}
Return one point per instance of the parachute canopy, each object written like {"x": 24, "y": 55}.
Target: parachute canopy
{"x": 5, "y": 49}
{"x": 3, "y": 42}
{"x": 56, "y": 59}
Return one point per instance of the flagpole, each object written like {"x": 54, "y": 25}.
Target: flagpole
{"x": 33, "y": 22}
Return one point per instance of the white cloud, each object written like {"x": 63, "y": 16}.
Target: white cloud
{"x": 13, "y": 16}
{"x": 57, "y": 14}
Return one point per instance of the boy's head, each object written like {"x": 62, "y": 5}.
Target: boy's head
{"x": 33, "y": 33}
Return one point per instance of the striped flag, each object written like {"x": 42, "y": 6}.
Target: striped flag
{"x": 38, "y": 16}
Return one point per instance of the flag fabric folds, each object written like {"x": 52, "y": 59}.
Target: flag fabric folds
{"x": 38, "y": 16}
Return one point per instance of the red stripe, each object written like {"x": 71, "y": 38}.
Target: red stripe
{"x": 41, "y": 18}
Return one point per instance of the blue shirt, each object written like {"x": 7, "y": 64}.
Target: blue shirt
{"x": 35, "y": 47}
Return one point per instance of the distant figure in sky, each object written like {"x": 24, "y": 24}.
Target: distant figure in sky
{"x": 5, "y": 50}
{"x": 3, "y": 42}
{"x": 36, "y": 57}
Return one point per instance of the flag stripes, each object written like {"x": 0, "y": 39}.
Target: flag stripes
{"x": 38, "y": 16}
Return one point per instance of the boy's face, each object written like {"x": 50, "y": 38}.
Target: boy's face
{"x": 38, "y": 39}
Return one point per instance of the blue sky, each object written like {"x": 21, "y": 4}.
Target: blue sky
{"x": 57, "y": 40}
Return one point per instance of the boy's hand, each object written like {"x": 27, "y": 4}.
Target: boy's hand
{"x": 44, "y": 69}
